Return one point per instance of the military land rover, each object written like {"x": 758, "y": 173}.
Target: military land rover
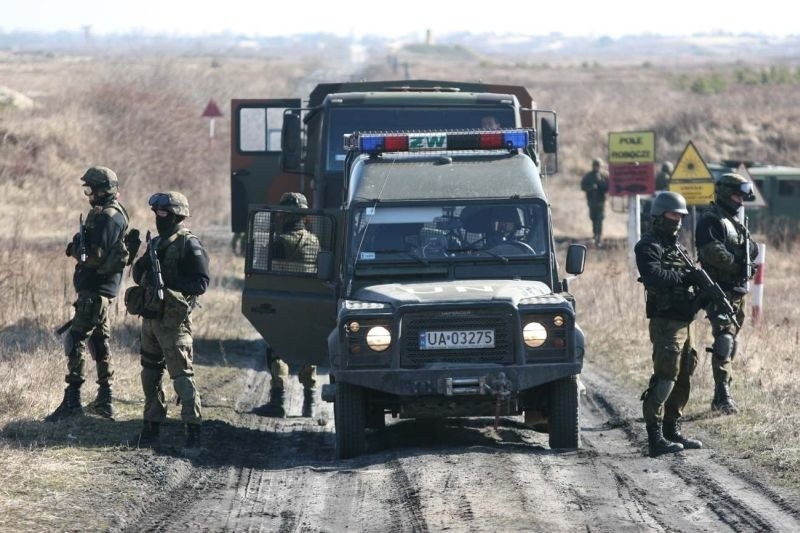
{"x": 442, "y": 271}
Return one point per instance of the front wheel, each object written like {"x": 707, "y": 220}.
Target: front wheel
{"x": 349, "y": 412}
{"x": 563, "y": 413}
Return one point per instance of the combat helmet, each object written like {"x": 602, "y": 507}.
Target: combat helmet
{"x": 668, "y": 201}
{"x": 101, "y": 179}
{"x": 731, "y": 183}
{"x": 597, "y": 161}
{"x": 293, "y": 199}
{"x": 170, "y": 201}
{"x": 666, "y": 167}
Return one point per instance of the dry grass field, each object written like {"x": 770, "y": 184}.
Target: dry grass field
{"x": 140, "y": 116}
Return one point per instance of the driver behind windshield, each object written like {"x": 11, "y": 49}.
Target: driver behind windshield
{"x": 504, "y": 226}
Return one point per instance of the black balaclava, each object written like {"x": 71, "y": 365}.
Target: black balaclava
{"x": 168, "y": 225}
{"x": 666, "y": 227}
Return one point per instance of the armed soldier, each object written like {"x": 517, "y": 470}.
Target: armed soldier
{"x": 595, "y": 184}
{"x": 171, "y": 276}
{"x": 101, "y": 254}
{"x": 671, "y": 307}
{"x": 294, "y": 244}
{"x": 727, "y": 254}
{"x": 663, "y": 176}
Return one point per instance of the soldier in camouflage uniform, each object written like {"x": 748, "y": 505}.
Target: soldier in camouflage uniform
{"x": 97, "y": 279}
{"x": 166, "y": 341}
{"x": 671, "y": 309}
{"x": 663, "y": 176}
{"x": 595, "y": 184}
{"x": 726, "y": 253}
{"x": 297, "y": 245}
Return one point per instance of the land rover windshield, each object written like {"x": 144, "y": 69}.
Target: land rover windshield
{"x": 349, "y": 119}
{"x": 454, "y": 232}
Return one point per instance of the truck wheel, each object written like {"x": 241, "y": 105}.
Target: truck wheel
{"x": 563, "y": 414}
{"x": 349, "y": 412}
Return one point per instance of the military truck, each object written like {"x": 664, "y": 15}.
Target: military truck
{"x": 278, "y": 145}
{"x": 448, "y": 299}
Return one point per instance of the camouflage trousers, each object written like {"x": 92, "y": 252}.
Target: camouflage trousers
{"x": 597, "y": 212}
{"x": 279, "y": 374}
{"x": 168, "y": 347}
{"x": 674, "y": 362}
{"x": 90, "y": 329}
{"x": 722, "y": 368}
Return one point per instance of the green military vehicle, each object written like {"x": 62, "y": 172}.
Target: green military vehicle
{"x": 503, "y": 338}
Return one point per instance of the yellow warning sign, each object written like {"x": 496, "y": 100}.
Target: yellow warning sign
{"x": 691, "y": 177}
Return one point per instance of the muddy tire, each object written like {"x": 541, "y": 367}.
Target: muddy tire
{"x": 563, "y": 414}
{"x": 350, "y": 414}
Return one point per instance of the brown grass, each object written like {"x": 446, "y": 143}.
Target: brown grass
{"x": 140, "y": 116}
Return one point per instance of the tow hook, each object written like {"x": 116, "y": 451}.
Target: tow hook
{"x": 500, "y": 386}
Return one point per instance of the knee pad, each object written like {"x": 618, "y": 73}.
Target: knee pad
{"x": 724, "y": 347}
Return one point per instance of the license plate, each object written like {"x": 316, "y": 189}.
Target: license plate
{"x": 456, "y": 340}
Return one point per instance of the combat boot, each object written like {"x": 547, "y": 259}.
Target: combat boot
{"x": 657, "y": 444}
{"x": 276, "y": 406}
{"x": 149, "y": 437}
{"x": 103, "y": 404}
{"x": 672, "y": 432}
{"x": 722, "y": 402}
{"x": 309, "y": 400}
{"x": 70, "y": 405}
{"x": 192, "y": 436}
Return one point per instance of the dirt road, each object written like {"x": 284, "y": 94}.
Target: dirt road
{"x": 280, "y": 475}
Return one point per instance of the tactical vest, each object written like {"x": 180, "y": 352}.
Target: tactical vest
{"x": 116, "y": 256}
{"x": 677, "y": 303}
{"x": 735, "y": 239}
{"x": 170, "y": 251}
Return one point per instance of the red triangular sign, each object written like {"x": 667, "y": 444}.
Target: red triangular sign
{"x": 211, "y": 110}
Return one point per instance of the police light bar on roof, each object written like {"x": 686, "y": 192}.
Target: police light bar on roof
{"x": 376, "y": 143}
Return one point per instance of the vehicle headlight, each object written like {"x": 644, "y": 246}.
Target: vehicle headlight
{"x": 379, "y": 338}
{"x": 534, "y": 334}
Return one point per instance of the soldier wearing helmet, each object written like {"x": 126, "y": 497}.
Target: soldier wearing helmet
{"x": 670, "y": 306}
{"x": 166, "y": 337}
{"x": 100, "y": 256}
{"x": 297, "y": 248}
{"x": 726, "y": 253}
{"x": 595, "y": 184}
{"x": 663, "y": 176}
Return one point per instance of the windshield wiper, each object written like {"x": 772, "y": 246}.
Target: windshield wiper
{"x": 409, "y": 253}
{"x": 503, "y": 258}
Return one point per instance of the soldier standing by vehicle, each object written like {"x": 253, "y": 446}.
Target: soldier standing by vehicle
{"x": 595, "y": 184}
{"x": 101, "y": 255}
{"x": 663, "y": 176}
{"x": 293, "y": 244}
{"x": 726, "y": 253}
{"x": 171, "y": 275}
{"x": 670, "y": 305}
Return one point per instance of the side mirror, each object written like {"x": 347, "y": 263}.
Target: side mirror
{"x": 576, "y": 259}
{"x": 549, "y": 130}
{"x": 291, "y": 150}
{"x": 325, "y": 265}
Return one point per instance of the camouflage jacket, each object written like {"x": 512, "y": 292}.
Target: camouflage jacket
{"x": 721, "y": 246}
{"x": 298, "y": 245}
{"x": 595, "y": 185}
{"x": 105, "y": 225}
{"x": 184, "y": 263}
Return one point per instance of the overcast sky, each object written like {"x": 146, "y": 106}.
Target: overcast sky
{"x": 391, "y": 18}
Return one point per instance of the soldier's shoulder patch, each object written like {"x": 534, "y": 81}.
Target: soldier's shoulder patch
{"x": 198, "y": 252}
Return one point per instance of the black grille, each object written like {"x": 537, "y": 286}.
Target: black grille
{"x": 413, "y": 323}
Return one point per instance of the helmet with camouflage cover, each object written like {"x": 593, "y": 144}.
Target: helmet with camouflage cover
{"x": 668, "y": 201}
{"x": 597, "y": 161}
{"x": 666, "y": 166}
{"x": 732, "y": 183}
{"x": 294, "y": 199}
{"x": 101, "y": 179}
{"x": 170, "y": 201}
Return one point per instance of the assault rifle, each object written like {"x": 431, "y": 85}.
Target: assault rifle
{"x": 81, "y": 240}
{"x": 155, "y": 268}
{"x": 711, "y": 290}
